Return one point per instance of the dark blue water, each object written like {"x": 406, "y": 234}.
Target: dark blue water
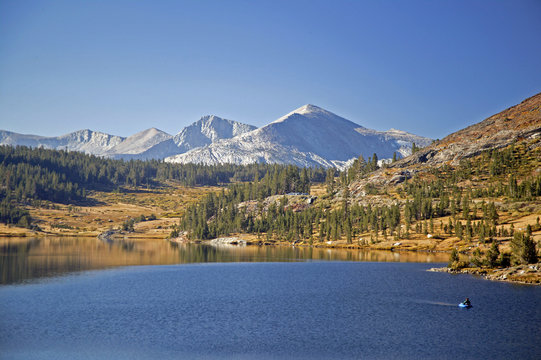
{"x": 306, "y": 310}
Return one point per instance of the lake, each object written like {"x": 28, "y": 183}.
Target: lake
{"x": 81, "y": 299}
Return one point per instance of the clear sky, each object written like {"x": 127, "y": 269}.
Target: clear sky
{"x": 427, "y": 67}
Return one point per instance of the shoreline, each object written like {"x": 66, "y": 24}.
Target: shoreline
{"x": 519, "y": 274}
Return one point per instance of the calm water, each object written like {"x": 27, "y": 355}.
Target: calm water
{"x": 28, "y": 259}
{"x": 243, "y": 310}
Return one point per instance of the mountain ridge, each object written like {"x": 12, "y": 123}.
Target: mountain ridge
{"x": 87, "y": 141}
{"x": 306, "y": 136}
{"x": 151, "y": 143}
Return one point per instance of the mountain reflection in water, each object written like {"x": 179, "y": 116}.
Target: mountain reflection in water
{"x": 26, "y": 259}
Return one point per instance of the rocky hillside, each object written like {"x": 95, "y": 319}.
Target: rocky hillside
{"x": 522, "y": 121}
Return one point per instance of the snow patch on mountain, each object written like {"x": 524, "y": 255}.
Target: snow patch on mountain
{"x": 244, "y": 153}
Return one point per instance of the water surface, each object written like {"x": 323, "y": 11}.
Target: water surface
{"x": 267, "y": 310}
{"x": 28, "y": 259}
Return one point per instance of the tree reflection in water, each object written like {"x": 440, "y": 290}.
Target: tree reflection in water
{"x": 27, "y": 259}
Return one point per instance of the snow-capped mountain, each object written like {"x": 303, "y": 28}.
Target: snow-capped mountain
{"x": 207, "y": 130}
{"x": 156, "y": 144}
{"x": 148, "y": 144}
{"x": 88, "y": 141}
{"x": 307, "y": 136}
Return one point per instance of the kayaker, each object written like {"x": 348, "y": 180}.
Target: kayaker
{"x": 467, "y": 302}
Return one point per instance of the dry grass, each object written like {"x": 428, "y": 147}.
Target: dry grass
{"x": 167, "y": 203}
{"x": 318, "y": 190}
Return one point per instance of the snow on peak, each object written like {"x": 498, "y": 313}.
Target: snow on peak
{"x": 307, "y": 110}
{"x": 209, "y": 118}
{"x": 151, "y": 135}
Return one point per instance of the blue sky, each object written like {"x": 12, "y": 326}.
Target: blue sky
{"x": 428, "y": 67}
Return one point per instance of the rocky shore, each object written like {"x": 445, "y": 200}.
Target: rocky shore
{"x": 523, "y": 274}
{"x": 107, "y": 236}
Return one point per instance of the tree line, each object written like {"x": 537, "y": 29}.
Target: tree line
{"x": 29, "y": 174}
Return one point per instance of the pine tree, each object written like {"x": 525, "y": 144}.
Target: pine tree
{"x": 492, "y": 255}
{"x": 453, "y": 258}
{"x": 459, "y": 230}
{"x": 374, "y": 162}
{"x": 523, "y": 249}
{"x": 348, "y": 230}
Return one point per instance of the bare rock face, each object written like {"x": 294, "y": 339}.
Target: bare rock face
{"x": 400, "y": 177}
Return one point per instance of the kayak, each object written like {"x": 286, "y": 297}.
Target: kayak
{"x": 462, "y": 305}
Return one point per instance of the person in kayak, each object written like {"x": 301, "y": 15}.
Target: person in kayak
{"x": 467, "y": 302}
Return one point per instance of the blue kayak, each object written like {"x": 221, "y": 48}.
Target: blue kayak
{"x": 462, "y": 305}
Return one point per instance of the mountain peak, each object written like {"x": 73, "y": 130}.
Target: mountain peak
{"x": 308, "y": 110}
{"x": 209, "y": 118}
{"x": 152, "y": 130}
{"x": 208, "y": 129}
